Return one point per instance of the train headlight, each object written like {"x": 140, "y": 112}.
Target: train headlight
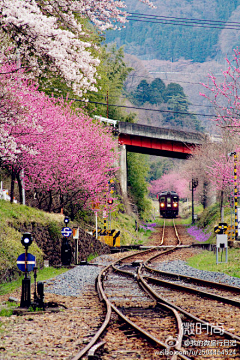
{"x": 162, "y": 204}
{"x": 175, "y": 205}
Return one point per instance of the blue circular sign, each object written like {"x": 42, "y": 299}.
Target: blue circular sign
{"x": 66, "y": 232}
{"x": 26, "y": 263}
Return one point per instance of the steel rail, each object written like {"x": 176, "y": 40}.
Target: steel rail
{"x": 161, "y": 299}
{"x": 163, "y": 232}
{"x": 191, "y": 278}
{"x": 193, "y": 290}
{"x": 176, "y": 232}
{"x": 132, "y": 324}
{"x": 106, "y": 321}
{"x": 169, "y": 250}
{"x": 103, "y": 297}
{"x": 188, "y": 288}
{"x": 177, "y": 347}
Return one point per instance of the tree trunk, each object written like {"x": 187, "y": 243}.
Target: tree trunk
{"x": 19, "y": 188}
{"x": 221, "y": 206}
{"x": 50, "y": 201}
{"x": 13, "y": 177}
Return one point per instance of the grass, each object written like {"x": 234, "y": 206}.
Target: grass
{"x": 92, "y": 256}
{"x": 207, "y": 261}
{"x": 43, "y": 274}
{"x": 6, "y": 311}
{"x": 16, "y": 213}
{"x": 16, "y": 216}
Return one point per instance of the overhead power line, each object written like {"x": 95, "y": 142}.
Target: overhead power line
{"x": 170, "y": 20}
{"x": 122, "y": 97}
{"x": 140, "y": 108}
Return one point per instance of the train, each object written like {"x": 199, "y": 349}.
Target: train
{"x": 168, "y": 204}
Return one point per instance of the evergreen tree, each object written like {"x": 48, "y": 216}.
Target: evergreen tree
{"x": 157, "y": 87}
{"x": 142, "y": 92}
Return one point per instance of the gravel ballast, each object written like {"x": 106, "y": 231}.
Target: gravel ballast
{"x": 78, "y": 279}
{"x": 180, "y": 267}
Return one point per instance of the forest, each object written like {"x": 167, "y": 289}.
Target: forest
{"x": 170, "y": 99}
{"x": 148, "y": 39}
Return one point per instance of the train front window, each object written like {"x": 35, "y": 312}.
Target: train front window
{"x": 175, "y": 199}
{"x": 169, "y": 200}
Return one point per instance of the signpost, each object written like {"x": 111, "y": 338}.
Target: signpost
{"x": 76, "y": 237}
{"x": 222, "y": 241}
{"x": 96, "y": 208}
{"x": 26, "y": 263}
{"x": 66, "y": 251}
{"x": 66, "y": 232}
{"x": 193, "y": 184}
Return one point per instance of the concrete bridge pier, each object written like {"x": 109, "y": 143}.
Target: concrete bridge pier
{"x": 123, "y": 169}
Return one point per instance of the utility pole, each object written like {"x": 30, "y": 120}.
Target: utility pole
{"x": 107, "y": 105}
{"x": 235, "y": 194}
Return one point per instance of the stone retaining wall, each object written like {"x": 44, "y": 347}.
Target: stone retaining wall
{"x": 51, "y": 245}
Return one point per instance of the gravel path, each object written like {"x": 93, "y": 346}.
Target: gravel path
{"x": 74, "y": 281}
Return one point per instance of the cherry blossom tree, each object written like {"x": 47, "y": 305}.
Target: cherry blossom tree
{"x": 64, "y": 154}
{"x": 49, "y": 36}
{"x": 172, "y": 181}
{"x": 225, "y": 98}
{"x": 17, "y": 116}
{"x": 212, "y": 167}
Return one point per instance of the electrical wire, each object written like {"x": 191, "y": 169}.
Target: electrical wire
{"x": 183, "y": 21}
{"x": 187, "y": 19}
{"x": 146, "y": 109}
{"x": 125, "y": 98}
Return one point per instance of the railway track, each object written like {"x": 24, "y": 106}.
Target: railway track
{"x": 177, "y": 320}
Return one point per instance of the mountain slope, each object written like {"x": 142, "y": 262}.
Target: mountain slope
{"x": 148, "y": 40}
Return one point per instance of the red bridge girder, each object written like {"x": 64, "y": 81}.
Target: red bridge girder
{"x": 162, "y": 145}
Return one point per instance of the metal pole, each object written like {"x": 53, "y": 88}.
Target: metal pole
{"x": 235, "y": 195}
{"x": 96, "y": 226}
{"x": 23, "y": 187}
{"x": 193, "y": 220}
{"x": 107, "y": 104}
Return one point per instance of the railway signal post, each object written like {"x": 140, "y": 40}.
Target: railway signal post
{"x": 193, "y": 185}
{"x": 221, "y": 242}
{"x": 235, "y": 194}
{"x": 66, "y": 251}
{"x": 26, "y": 263}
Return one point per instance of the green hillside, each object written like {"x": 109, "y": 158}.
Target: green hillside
{"x": 153, "y": 40}
{"x": 13, "y": 218}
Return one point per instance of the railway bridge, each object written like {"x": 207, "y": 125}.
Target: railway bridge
{"x": 154, "y": 141}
